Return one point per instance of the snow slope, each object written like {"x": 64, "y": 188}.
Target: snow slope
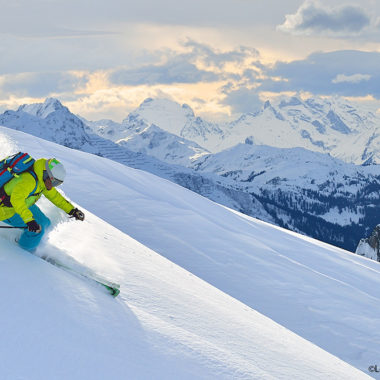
{"x": 168, "y": 322}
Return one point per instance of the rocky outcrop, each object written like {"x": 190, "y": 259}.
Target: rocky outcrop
{"x": 370, "y": 247}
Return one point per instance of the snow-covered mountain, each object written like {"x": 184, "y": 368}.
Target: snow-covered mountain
{"x": 150, "y": 140}
{"x": 323, "y": 125}
{"x": 174, "y": 118}
{"x": 106, "y": 128}
{"x": 206, "y": 292}
{"x": 165, "y": 146}
{"x": 49, "y": 120}
{"x": 36, "y": 120}
{"x": 304, "y": 191}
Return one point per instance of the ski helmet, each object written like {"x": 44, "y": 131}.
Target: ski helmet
{"x": 55, "y": 171}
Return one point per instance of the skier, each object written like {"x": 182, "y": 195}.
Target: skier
{"x": 21, "y": 193}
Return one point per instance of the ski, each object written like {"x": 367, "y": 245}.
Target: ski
{"x": 112, "y": 288}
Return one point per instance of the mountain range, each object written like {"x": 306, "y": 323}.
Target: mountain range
{"x": 300, "y": 182}
{"x": 332, "y": 126}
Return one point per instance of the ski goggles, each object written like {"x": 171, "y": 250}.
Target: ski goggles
{"x": 49, "y": 175}
{"x": 54, "y": 181}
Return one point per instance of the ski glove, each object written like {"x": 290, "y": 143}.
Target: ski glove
{"x": 33, "y": 226}
{"x": 77, "y": 214}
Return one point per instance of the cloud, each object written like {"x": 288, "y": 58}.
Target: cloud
{"x": 174, "y": 71}
{"x": 355, "y": 78}
{"x": 41, "y": 84}
{"x": 200, "y": 63}
{"x": 217, "y": 58}
{"x": 194, "y": 70}
{"x": 314, "y": 18}
{"x": 332, "y": 73}
{"x": 89, "y": 14}
{"x": 242, "y": 100}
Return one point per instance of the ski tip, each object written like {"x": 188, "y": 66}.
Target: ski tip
{"x": 114, "y": 292}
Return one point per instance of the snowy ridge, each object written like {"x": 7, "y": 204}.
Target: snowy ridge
{"x": 138, "y": 135}
{"x": 167, "y": 317}
{"x": 150, "y": 140}
{"x": 338, "y": 200}
{"x": 49, "y": 120}
{"x": 259, "y": 164}
{"x": 173, "y": 118}
{"x": 43, "y": 110}
{"x": 163, "y": 145}
{"x": 328, "y": 126}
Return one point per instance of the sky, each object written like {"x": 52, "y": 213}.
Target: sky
{"x": 221, "y": 57}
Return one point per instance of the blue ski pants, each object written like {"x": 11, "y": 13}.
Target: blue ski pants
{"x": 30, "y": 240}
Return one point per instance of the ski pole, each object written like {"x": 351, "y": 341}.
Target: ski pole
{"x": 13, "y": 227}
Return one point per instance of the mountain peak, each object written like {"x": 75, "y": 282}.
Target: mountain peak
{"x": 267, "y": 104}
{"x": 163, "y": 112}
{"x": 165, "y": 104}
{"x": 188, "y": 110}
{"x": 42, "y": 110}
{"x": 293, "y": 101}
{"x": 52, "y": 102}
{"x": 277, "y": 114}
{"x": 146, "y": 101}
